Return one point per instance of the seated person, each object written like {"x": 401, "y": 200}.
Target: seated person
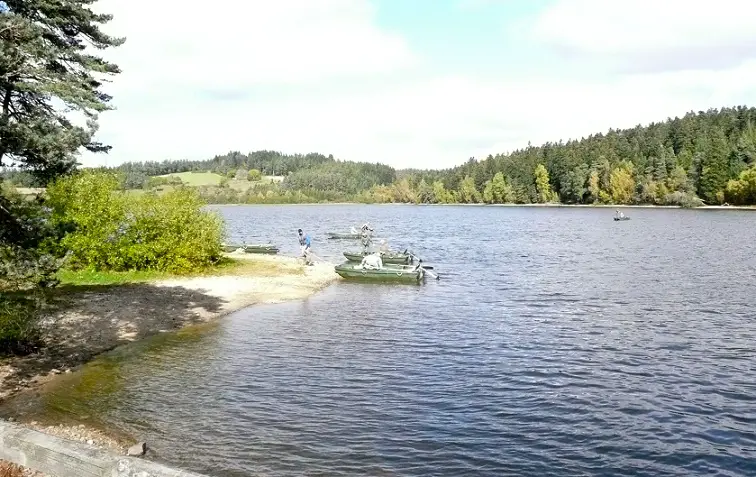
{"x": 372, "y": 261}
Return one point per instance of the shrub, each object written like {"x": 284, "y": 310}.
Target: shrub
{"x": 114, "y": 231}
{"x": 23, "y": 269}
{"x": 254, "y": 175}
{"x": 683, "y": 199}
{"x": 19, "y": 319}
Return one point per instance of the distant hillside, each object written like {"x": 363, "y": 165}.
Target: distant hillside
{"x": 704, "y": 157}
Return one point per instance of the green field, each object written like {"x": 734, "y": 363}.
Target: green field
{"x": 197, "y": 178}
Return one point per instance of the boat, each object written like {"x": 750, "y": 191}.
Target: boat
{"x": 255, "y": 248}
{"x": 624, "y": 217}
{"x": 338, "y": 235}
{"x": 389, "y": 273}
{"x": 399, "y": 258}
{"x": 261, "y": 248}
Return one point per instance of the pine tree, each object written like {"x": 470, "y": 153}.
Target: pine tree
{"x": 44, "y": 59}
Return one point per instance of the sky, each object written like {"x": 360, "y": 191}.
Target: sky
{"x": 412, "y": 83}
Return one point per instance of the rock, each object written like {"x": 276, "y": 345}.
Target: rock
{"x": 90, "y": 442}
{"x": 11, "y": 419}
{"x": 34, "y": 423}
{"x": 137, "y": 450}
{"x": 55, "y": 371}
{"x": 68, "y": 371}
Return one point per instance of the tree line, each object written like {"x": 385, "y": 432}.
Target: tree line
{"x": 705, "y": 157}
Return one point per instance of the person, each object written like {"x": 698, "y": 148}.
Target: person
{"x": 384, "y": 247}
{"x": 367, "y": 240}
{"x": 618, "y": 214}
{"x": 305, "y": 242}
{"x": 372, "y": 261}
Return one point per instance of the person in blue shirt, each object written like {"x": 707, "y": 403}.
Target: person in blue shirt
{"x": 305, "y": 243}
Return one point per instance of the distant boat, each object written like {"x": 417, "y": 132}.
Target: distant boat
{"x": 624, "y": 217}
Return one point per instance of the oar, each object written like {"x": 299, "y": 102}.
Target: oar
{"x": 432, "y": 274}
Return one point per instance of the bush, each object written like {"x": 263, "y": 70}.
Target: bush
{"x": 23, "y": 269}
{"x": 683, "y": 199}
{"x": 254, "y": 175}
{"x": 115, "y": 231}
{"x": 19, "y": 319}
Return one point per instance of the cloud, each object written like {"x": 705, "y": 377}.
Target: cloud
{"x": 320, "y": 76}
{"x": 242, "y": 44}
{"x": 652, "y": 36}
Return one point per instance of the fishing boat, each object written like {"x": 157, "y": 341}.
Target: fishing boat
{"x": 255, "y": 248}
{"x": 624, "y": 217}
{"x": 389, "y": 273}
{"x": 399, "y": 258}
{"x": 261, "y": 248}
{"x": 338, "y": 235}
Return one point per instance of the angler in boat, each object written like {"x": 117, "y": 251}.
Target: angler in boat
{"x": 372, "y": 262}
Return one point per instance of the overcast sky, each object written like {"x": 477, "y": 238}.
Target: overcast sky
{"x": 421, "y": 83}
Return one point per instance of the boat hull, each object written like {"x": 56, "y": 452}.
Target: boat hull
{"x": 393, "y": 274}
{"x": 337, "y": 236}
{"x": 263, "y": 248}
{"x": 621, "y": 218}
{"x": 389, "y": 258}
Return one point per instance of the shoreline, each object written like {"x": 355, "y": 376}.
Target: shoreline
{"x": 596, "y": 206}
{"x": 86, "y": 322}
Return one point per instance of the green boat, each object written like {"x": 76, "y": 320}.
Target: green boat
{"x": 256, "y": 248}
{"x": 399, "y": 258}
{"x": 337, "y": 235}
{"x": 389, "y": 273}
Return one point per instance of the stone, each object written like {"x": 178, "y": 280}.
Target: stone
{"x": 55, "y": 371}
{"x": 137, "y": 450}
{"x": 68, "y": 371}
{"x": 90, "y": 442}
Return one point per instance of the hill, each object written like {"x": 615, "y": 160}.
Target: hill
{"x": 703, "y": 157}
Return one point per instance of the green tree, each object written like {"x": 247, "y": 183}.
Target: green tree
{"x": 254, "y": 175}
{"x": 425, "y": 192}
{"x": 622, "y": 184}
{"x": 43, "y": 61}
{"x": 440, "y": 194}
{"x": 714, "y": 168}
{"x": 468, "y": 192}
{"x": 543, "y": 188}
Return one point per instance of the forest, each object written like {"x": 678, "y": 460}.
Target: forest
{"x": 704, "y": 157}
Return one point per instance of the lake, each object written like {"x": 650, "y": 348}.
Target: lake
{"x": 557, "y": 342}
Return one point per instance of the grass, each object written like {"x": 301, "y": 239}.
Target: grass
{"x": 257, "y": 267}
{"x": 197, "y": 178}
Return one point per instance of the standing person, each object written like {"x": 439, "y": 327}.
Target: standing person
{"x": 305, "y": 243}
{"x": 366, "y": 240}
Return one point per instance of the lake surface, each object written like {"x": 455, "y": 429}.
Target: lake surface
{"x": 557, "y": 342}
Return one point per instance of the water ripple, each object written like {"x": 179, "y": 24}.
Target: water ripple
{"x": 557, "y": 343}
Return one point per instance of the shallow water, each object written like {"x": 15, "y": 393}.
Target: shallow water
{"x": 557, "y": 342}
